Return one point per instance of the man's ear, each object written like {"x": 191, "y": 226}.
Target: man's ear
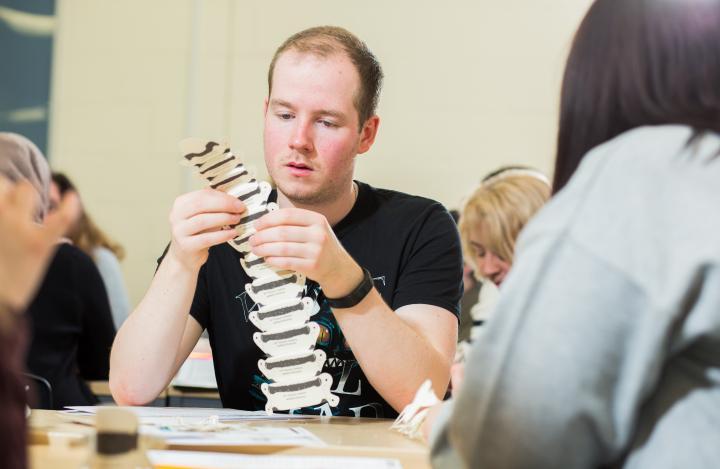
{"x": 368, "y": 133}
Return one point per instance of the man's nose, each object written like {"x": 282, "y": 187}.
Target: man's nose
{"x": 301, "y": 139}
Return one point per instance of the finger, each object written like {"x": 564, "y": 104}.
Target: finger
{"x": 298, "y": 250}
{"x": 295, "y": 234}
{"x": 59, "y": 221}
{"x": 24, "y": 198}
{"x": 205, "y": 222}
{"x": 457, "y": 375}
{"x": 297, "y": 264}
{"x": 206, "y": 201}
{"x": 210, "y": 239}
{"x": 5, "y": 185}
{"x": 289, "y": 216}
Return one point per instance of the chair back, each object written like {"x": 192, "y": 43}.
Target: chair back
{"x": 40, "y": 394}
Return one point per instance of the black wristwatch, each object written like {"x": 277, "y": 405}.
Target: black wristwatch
{"x": 355, "y": 296}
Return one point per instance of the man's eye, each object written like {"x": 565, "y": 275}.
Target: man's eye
{"x": 285, "y": 116}
{"x": 327, "y": 123}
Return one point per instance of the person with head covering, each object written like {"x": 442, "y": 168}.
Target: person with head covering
{"x": 94, "y": 242}
{"x": 70, "y": 321}
{"x": 604, "y": 348}
{"x": 25, "y": 250}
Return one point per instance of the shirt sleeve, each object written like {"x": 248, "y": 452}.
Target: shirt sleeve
{"x": 200, "y": 307}
{"x": 559, "y": 373}
{"x": 432, "y": 272}
{"x": 98, "y": 329}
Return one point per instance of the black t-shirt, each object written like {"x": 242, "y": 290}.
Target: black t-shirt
{"x": 72, "y": 328}
{"x": 411, "y": 247}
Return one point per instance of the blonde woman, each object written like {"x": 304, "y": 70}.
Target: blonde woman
{"x": 490, "y": 223}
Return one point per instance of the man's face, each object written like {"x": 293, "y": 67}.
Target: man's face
{"x": 311, "y": 127}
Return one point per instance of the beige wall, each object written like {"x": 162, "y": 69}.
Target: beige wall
{"x": 470, "y": 85}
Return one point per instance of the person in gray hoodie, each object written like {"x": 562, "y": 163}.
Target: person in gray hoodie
{"x": 604, "y": 349}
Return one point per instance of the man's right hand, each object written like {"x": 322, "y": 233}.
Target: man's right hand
{"x": 159, "y": 334}
{"x": 200, "y": 220}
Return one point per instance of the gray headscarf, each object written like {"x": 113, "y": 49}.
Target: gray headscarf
{"x": 21, "y": 159}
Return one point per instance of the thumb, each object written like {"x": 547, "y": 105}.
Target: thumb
{"x": 67, "y": 213}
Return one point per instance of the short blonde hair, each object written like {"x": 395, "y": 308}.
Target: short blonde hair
{"x": 502, "y": 205}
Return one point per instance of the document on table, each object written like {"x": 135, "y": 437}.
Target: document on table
{"x": 161, "y": 415}
{"x": 238, "y": 436}
{"x": 196, "y": 460}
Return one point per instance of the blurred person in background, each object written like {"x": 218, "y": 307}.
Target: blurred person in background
{"x": 491, "y": 221}
{"x": 106, "y": 253}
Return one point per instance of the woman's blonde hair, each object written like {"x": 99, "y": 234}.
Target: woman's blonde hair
{"x": 502, "y": 205}
{"x": 87, "y": 236}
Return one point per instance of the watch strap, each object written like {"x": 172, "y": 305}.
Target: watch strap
{"x": 355, "y": 296}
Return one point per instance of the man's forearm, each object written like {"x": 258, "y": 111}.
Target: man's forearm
{"x": 145, "y": 353}
{"x": 395, "y": 357}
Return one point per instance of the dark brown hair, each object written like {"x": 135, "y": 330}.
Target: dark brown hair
{"x": 85, "y": 234}
{"x": 635, "y": 63}
{"x": 325, "y": 41}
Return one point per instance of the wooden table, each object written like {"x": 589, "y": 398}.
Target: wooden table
{"x": 56, "y": 442}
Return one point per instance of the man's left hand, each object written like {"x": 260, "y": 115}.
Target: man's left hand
{"x": 303, "y": 241}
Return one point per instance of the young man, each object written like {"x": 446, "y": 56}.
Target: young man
{"x": 320, "y": 114}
